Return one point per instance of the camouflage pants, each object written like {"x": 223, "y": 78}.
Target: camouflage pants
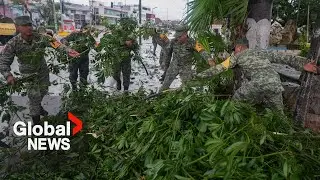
{"x": 36, "y": 90}
{"x": 161, "y": 60}
{"x": 124, "y": 67}
{"x": 154, "y": 47}
{"x": 165, "y": 58}
{"x": 82, "y": 65}
{"x": 253, "y": 93}
{"x": 175, "y": 68}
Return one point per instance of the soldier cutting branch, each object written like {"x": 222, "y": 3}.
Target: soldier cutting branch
{"x": 29, "y": 47}
{"x": 166, "y": 51}
{"x": 182, "y": 48}
{"x": 82, "y": 42}
{"x": 263, "y": 84}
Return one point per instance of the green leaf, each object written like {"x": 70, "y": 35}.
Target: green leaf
{"x": 206, "y": 116}
{"x": 94, "y": 147}
{"x": 181, "y": 178}
{"x": 202, "y": 127}
{"x": 72, "y": 155}
{"x": 285, "y": 169}
{"x": 236, "y": 147}
{"x": 224, "y": 107}
{"x": 263, "y": 138}
{"x": 214, "y": 126}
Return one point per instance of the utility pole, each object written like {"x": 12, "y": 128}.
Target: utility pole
{"x": 140, "y": 9}
{"x": 90, "y": 4}
{"x": 61, "y": 10}
{"x": 308, "y": 23}
{"x": 55, "y": 17}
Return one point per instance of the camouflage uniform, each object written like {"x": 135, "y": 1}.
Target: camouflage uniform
{"x": 31, "y": 60}
{"x": 81, "y": 42}
{"x": 124, "y": 67}
{"x": 165, "y": 53}
{"x": 182, "y": 56}
{"x": 263, "y": 82}
{"x": 128, "y": 26}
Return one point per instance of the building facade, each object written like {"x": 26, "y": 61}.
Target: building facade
{"x": 133, "y": 11}
{"x": 82, "y": 14}
{"x": 10, "y": 10}
{"x": 111, "y": 13}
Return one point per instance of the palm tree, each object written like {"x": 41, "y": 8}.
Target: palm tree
{"x": 256, "y": 14}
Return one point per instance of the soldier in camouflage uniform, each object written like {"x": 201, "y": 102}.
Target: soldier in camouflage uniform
{"x": 29, "y": 47}
{"x": 128, "y": 44}
{"x": 82, "y": 42}
{"x": 182, "y": 48}
{"x": 263, "y": 84}
{"x": 166, "y": 52}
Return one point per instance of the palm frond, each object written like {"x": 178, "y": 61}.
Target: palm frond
{"x": 203, "y": 13}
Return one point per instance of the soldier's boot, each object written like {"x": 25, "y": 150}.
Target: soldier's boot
{"x": 36, "y": 120}
{"x": 43, "y": 112}
{"x": 162, "y": 78}
{"x": 126, "y": 90}
{"x": 83, "y": 84}
{"x": 119, "y": 86}
{"x": 74, "y": 87}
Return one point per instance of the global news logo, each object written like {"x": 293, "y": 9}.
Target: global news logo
{"x": 48, "y": 137}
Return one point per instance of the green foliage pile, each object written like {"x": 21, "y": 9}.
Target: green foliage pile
{"x": 179, "y": 135}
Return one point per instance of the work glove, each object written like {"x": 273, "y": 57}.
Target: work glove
{"x": 312, "y": 67}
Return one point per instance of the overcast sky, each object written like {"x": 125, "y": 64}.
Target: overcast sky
{"x": 175, "y": 8}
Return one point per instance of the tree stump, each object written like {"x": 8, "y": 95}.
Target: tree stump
{"x": 308, "y": 103}
{"x": 307, "y": 110}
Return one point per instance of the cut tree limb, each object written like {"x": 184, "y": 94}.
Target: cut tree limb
{"x": 307, "y": 111}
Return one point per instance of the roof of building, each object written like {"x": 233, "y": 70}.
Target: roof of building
{"x": 116, "y": 9}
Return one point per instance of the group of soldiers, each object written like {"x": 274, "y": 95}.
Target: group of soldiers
{"x": 29, "y": 47}
{"x": 257, "y": 80}
{"x": 261, "y": 83}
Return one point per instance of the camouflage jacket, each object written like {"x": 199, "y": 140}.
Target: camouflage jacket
{"x": 184, "y": 52}
{"x": 256, "y": 66}
{"x": 30, "y": 54}
{"x": 81, "y": 42}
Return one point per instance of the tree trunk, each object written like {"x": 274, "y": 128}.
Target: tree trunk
{"x": 307, "y": 111}
{"x": 259, "y": 23}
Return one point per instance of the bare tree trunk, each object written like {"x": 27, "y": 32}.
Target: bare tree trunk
{"x": 307, "y": 110}
{"x": 259, "y": 23}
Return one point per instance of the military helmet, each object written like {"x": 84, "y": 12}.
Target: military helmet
{"x": 23, "y": 21}
{"x": 180, "y": 29}
{"x": 242, "y": 41}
